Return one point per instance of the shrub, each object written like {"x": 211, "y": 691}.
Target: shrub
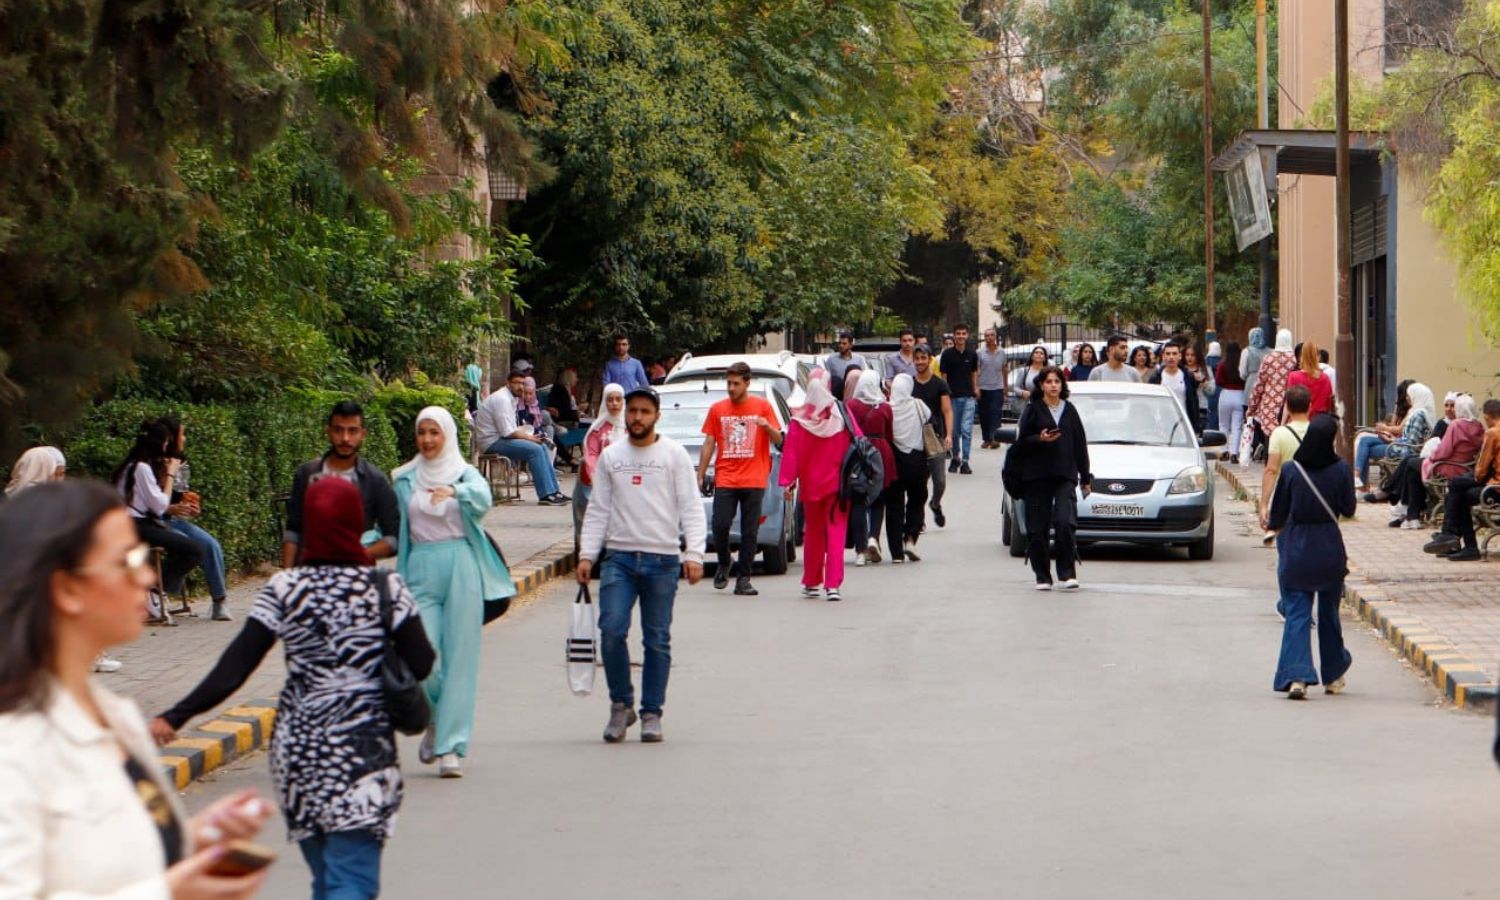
{"x": 400, "y": 404}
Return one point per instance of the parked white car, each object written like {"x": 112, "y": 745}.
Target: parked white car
{"x": 784, "y": 368}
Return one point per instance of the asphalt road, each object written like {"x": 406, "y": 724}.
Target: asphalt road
{"x": 948, "y": 732}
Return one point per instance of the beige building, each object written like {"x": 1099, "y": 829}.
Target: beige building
{"x": 1411, "y": 318}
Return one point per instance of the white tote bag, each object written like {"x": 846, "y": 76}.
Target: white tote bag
{"x": 1247, "y": 441}
{"x": 583, "y": 642}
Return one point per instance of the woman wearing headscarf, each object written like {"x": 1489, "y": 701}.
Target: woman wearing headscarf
{"x": 1268, "y": 399}
{"x": 1454, "y": 456}
{"x": 333, "y": 753}
{"x": 1416, "y": 428}
{"x": 472, "y": 376}
{"x": 1251, "y": 359}
{"x": 38, "y": 465}
{"x": 1382, "y": 433}
{"x": 851, "y": 381}
{"x": 1212, "y": 359}
{"x": 452, "y": 567}
{"x": 872, "y": 414}
{"x": 906, "y": 497}
{"x": 812, "y": 457}
{"x": 1312, "y": 493}
{"x": 607, "y": 429}
{"x": 84, "y": 810}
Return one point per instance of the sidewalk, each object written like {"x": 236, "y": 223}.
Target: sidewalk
{"x": 165, "y": 663}
{"x": 1442, "y": 616}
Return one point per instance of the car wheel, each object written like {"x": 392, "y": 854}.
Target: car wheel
{"x": 1005, "y": 528}
{"x": 1203, "y": 550}
{"x": 1018, "y": 540}
{"x": 791, "y": 551}
{"x": 797, "y": 525}
{"x": 775, "y": 558}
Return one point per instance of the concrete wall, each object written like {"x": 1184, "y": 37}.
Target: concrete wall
{"x": 1438, "y": 344}
{"x": 1305, "y": 233}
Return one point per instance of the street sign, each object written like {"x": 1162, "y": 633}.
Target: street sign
{"x": 1248, "y": 207}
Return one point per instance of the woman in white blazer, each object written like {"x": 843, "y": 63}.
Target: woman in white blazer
{"x": 84, "y": 809}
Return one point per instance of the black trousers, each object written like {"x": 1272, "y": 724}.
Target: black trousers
{"x": 904, "y": 501}
{"x": 1458, "y": 519}
{"x": 1051, "y": 502}
{"x": 183, "y": 554}
{"x": 746, "y": 503}
{"x": 990, "y": 404}
{"x": 1407, "y": 487}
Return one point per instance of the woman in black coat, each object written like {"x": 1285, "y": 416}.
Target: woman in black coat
{"x": 1051, "y": 461}
{"x": 1312, "y": 494}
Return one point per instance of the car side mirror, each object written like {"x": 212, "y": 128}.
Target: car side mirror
{"x": 1007, "y": 435}
{"x": 1213, "y": 438}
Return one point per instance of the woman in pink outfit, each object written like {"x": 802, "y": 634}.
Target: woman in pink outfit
{"x": 813, "y": 457}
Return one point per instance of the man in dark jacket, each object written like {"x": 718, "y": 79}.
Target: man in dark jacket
{"x": 346, "y": 433}
{"x": 1184, "y": 388}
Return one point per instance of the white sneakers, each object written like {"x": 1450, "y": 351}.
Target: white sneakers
{"x": 449, "y": 766}
{"x": 1044, "y": 585}
{"x": 107, "y": 664}
{"x": 1412, "y": 525}
{"x": 1337, "y": 687}
{"x": 1067, "y": 584}
{"x": 872, "y": 552}
{"x": 810, "y": 591}
{"x": 1298, "y": 691}
{"x": 911, "y": 551}
{"x": 860, "y": 558}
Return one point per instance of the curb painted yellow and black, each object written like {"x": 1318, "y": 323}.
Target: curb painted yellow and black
{"x": 245, "y": 728}
{"x": 1461, "y": 681}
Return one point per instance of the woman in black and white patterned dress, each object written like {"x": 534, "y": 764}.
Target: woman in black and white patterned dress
{"x": 333, "y": 753}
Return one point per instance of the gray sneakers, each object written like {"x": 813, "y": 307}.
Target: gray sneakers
{"x": 221, "y": 612}
{"x": 621, "y": 717}
{"x": 651, "y": 728}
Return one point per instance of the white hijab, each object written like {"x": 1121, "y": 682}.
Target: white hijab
{"x": 1464, "y": 408}
{"x": 1421, "y": 398}
{"x": 449, "y": 465}
{"x": 36, "y": 466}
{"x": 908, "y": 414}
{"x": 1284, "y": 340}
{"x": 867, "y": 391}
{"x": 616, "y": 421}
{"x": 819, "y": 416}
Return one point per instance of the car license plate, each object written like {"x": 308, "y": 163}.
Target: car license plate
{"x": 1119, "y": 510}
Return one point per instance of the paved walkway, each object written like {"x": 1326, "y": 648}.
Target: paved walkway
{"x": 1459, "y": 603}
{"x": 163, "y": 664}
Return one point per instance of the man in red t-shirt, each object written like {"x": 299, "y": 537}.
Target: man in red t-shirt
{"x": 741, "y": 429}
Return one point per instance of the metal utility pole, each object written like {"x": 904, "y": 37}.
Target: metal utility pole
{"x": 1208, "y": 174}
{"x": 1263, "y": 122}
{"x": 1344, "y": 338}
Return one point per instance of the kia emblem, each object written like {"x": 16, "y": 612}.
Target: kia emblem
{"x": 1117, "y": 488}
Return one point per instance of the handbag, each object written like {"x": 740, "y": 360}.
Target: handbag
{"x": 405, "y": 699}
{"x": 931, "y": 443}
{"x": 494, "y": 609}
{"x": 583, "y": 643}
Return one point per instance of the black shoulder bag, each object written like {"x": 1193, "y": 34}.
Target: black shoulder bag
{"x": 405, "y": 699}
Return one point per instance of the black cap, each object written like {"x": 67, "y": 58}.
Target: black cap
{"x": 646, "y": 392}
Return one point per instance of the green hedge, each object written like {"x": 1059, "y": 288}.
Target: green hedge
{"x": 243, "y": 456}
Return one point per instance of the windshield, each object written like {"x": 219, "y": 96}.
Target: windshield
{"x": 716, "y": 377}
{"x": 1132, "y": 419}
{"x": 682, "y": 415}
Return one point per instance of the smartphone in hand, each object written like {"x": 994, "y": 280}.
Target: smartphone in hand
{"x": 242, "y": 858}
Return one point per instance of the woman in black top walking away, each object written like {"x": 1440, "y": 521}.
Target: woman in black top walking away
{"x": 1052, "y": 461}
{"x": 1313, "y": 492}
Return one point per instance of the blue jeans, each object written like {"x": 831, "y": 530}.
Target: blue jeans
{"x": 213, "y": 554}
{"x": 1367, "y": 449}
{"x": 537, "y": 459}
{"x": 963, "y": 426}
{"x": 345, "y": 865}
{"x": 653, "y": 578}
{"x": 1296, "y": 662}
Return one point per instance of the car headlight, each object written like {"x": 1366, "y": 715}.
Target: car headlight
{"x": 1192, "y": 480}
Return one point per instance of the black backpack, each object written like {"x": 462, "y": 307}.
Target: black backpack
{"x": 862, "y": 477}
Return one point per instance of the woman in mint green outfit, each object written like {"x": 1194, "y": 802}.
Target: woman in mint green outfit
{"x": 452, "y": 568}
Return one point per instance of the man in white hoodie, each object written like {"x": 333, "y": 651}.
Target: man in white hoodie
{"x": 645, "y": 500}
